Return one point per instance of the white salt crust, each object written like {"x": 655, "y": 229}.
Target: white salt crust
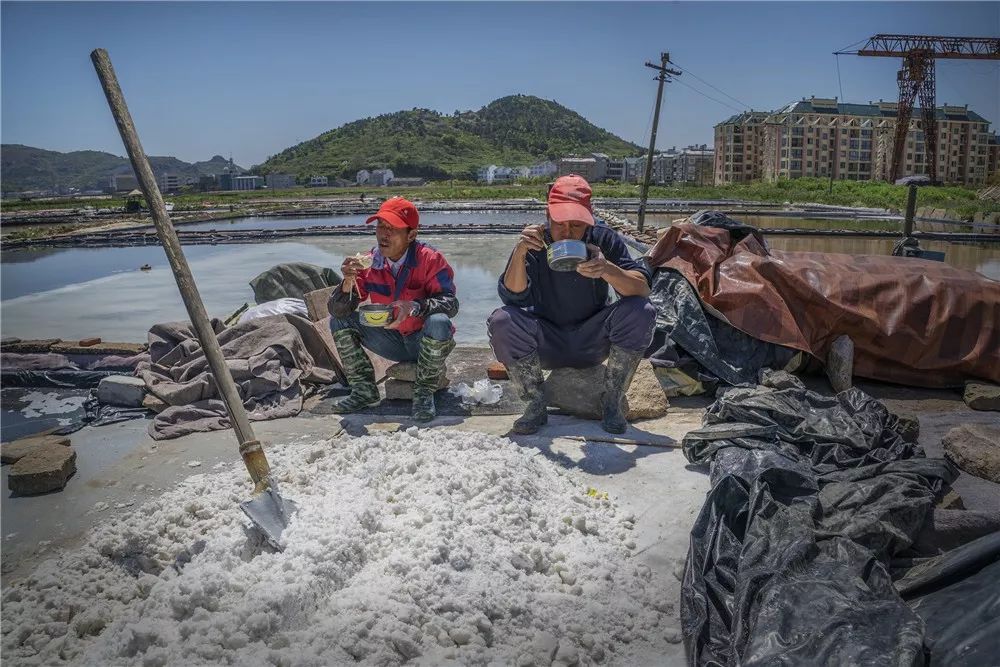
{"x": 418, "y": 547}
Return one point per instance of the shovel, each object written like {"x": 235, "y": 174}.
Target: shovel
{"x": 268, "y": 511}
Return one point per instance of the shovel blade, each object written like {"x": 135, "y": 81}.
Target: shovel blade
{"x": 270, "y": 513}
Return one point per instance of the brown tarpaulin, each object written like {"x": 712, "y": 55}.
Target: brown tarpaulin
{"x": 913, "y": 321}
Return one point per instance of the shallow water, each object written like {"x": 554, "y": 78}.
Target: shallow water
{"x": 77, "y": 293}
{"x": 81, "y": 292}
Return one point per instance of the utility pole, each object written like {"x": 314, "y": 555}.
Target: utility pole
{"x": 661, "y": 77}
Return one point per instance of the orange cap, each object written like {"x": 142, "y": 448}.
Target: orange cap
{"x": 569, "y": 200}
{"x": 398, "y": 212}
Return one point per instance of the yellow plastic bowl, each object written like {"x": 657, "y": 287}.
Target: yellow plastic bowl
{"x": 375, "y": 315}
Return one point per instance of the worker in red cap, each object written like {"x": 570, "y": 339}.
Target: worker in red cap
{"x": 559, "y": 319}
{"x": 416, "y": 280}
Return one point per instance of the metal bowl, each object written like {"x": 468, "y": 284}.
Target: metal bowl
{"x": 375, "y": 314}
{"x": 565, "y": 255}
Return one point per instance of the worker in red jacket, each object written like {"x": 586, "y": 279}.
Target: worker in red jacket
{"x": 418, "y": 282}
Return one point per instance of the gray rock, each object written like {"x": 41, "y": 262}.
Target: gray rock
{"x": 12, "y": 452}
{"x": 122, "y": 390}
{"x": 47, "y": 468}
{"x": 975, "y": 448}
{"x": 578, "y": 392}
{"x": 403, "y": 370}
{"x": 840, "y": 363}
{"x": 946, "y": 529}
{"x": 982, "y": 396}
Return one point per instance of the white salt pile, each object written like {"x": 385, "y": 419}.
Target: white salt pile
{"x": 428, "y": 548}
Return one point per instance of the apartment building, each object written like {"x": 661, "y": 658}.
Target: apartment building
{"x": 695, "y": 165}
{"x": 590, "y": 168}
{"x": 821, "y": 137}
{"x": 169, "y": 182}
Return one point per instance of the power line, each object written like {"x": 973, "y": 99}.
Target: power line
{"x": 725, "y": 104}
{"x": 689, "y": 72}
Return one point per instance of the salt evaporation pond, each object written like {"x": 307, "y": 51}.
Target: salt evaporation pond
{"x": 75, "y": 293}
{"x": 83, "y": 292}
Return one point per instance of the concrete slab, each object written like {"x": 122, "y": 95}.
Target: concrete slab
{"x": 46, "y": 468}
{"x": 122, "y": 390}
{"x": 12, "y": 452}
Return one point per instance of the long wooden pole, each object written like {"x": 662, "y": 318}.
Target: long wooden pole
{"x": 250, "y": 448}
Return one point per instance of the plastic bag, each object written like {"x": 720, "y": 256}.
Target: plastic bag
{"x": 481, "y": 392}
{"x": 286, "y": 306}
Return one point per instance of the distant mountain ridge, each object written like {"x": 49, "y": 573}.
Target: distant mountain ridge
{"x": 28, "y": 168}
{"x": 512, "y": 131}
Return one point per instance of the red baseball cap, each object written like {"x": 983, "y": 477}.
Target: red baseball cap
{"x": 398, "y": 212}
{"x": 569, "y": 199}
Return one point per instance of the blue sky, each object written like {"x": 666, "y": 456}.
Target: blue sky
{"x": 253, "y": 78}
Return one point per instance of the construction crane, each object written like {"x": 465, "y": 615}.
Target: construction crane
{"x": 917, "y": 79}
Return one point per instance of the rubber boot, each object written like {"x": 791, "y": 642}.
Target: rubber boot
{"x": 617, "y": 378}
{"x": 430, "y": 366}
{"x": 359, "y": 371}
{"x": 526, "y": 377}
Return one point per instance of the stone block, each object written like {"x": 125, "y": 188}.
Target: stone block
{"x": 122, "y": 349}
{"x": 403, "y": 370}
{"x": 47, "y": 468}
{"x": 14, "y": 451}
{"x": 975, "y": 448}
{"x": 401, "y": 390}
{"x": 122, "y": 390}
{"x": 151, "y": 402}
{"x": 39, "y": 346}
{"x": 497, "y": 371}
{"x": 982, "y": 396}
{"x": 316, "y": 302}
{"x": 578, "y": 392}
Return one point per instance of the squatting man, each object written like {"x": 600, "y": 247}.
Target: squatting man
{"x": 557, "y": 319}
{"x": 417, "y": 281}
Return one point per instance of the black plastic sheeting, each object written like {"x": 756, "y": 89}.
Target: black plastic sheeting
{"x": 811, "y": 498}
{"x": 703, "y": 346}
{"x": 100, "y": 414}
{"x": 55, "y": 379}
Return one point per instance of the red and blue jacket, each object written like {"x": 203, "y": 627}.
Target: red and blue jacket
{"x": 424, "y": 277}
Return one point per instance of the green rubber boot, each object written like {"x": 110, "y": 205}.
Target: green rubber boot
{"x": 430, "y": 366}
{"x": 359, "y": 371}
{"x": 526, "y": 377}
{"x": 617, "y": 378}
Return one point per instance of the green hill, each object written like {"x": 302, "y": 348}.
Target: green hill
{"x": 28, "y": 168}
{"x": 512, "y": 131}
